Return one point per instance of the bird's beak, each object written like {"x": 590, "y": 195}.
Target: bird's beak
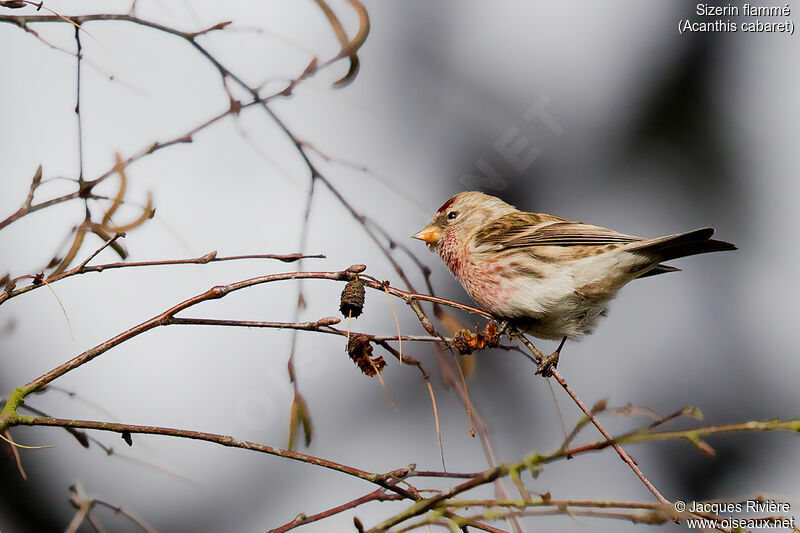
{"x": 431, "y": 235}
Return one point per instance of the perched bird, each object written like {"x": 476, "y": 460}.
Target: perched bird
{"x": 547, "y": 276}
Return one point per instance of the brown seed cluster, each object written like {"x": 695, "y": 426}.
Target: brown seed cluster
{"x": 467, "y": 342}
{"x": 360, "y": 350}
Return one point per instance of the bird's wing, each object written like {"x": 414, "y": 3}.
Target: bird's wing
{"x": 519, "y": 230}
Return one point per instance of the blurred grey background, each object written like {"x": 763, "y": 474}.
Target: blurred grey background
{"x": 599, "y": 112}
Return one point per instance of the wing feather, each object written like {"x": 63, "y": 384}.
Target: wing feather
{"x": 521, "y": 230}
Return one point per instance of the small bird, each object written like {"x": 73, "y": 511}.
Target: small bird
{"x": 545, "y": 275}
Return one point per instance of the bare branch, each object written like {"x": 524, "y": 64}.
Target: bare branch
{"x": 622, "y": 453}
{"x": 302, "y": 519}
{"x": 224, "y": 440}
{"x": 210, "y": 257}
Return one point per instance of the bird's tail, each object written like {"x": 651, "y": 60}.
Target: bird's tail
{"x": 670, "y": 247}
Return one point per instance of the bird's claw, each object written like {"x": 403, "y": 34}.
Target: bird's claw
{"x": 503, "y": 326}
{"x": 547, "y": 364}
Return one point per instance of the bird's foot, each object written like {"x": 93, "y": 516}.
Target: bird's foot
{"x": 502, "y": 327}
{"x": 549, "y": 363}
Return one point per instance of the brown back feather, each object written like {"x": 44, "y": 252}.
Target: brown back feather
{"x": 521, "y": 230}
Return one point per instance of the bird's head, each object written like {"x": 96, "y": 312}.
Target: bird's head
{"x": 460, "y": 216}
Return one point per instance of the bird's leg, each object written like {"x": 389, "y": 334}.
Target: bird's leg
{"x": 547, "y": 364}
{"x": 503, "y": 326}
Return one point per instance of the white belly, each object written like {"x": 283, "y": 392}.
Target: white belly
{"x": 564, "y": 300}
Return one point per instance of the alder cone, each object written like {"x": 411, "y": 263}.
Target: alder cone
{"x": 352, "y": 299}
{"x": 360, "y": 350}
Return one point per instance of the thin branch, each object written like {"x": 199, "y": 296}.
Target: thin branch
{"x": 15, "y": 452}
{"x": 80, "y": 516}
{"x": 78, "y": 57}
{"x": 322, "y": 325}
{"x": 82, "y": 267}
{"x": 138, "y": 521}
{"x": 548, "y": 502}
{"x": 692, "y": 434}
{"x": 622, "y": 453}
{"x": 223, "y": 440}
{"x": 647, "y": 518}
{"x": 302, "y": 519}
{"x": 423, "y": 506}
{"x": 210, "y": 257}
{"x": 435, "y": 473}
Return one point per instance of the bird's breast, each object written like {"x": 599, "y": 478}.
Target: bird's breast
{"x": 485, "y": 278}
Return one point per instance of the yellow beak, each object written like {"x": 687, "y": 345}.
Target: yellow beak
{"x": 430, "y": 234}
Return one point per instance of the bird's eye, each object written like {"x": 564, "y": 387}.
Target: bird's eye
{"x": 452, "y": 215}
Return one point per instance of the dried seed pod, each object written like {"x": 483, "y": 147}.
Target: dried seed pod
{"x": 360, "y": 350}
{"x": 491, "y": 334}
{"x": 465, "y": 341}
{"x": 352, "y": 300}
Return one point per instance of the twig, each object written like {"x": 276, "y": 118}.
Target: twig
{"x": 15, "y": 452}
{"x": 61, "y": 305}
{"x": 80, "y": 516}
{"x": 622, "y": 453}
{"x": 78, "y": 57}
{"x": 210, "y": 257}
{"x": 81, "y": 268}
{"x": 144, "y": 526}
{"x": 628, "y": 517}
{"x": 302, "y": 519}
{"x": 320, "y": 326}
{"x": 422, "y": 506}
{"x": 223, "y": 440}
{"x": 80, "y": 501}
